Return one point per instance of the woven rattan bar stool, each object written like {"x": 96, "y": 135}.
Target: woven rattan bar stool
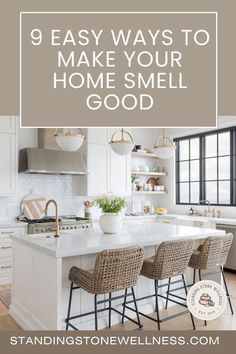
{"x": 171, "y": 260}
{"x": 212, "y": 253}
{"x": 114, "y": 270}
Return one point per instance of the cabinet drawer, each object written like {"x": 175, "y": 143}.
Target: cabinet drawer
{"x": 5, "y": 267}
{"x": 5, "y": 270}
{"x": 5, "y": 261}
{"x": 5, "y": 252}
{"x": 5, "y": 246}
{"x": 5, "y": 235}
{"x": 7, "y": 232}
{"x": 5, "y": 274}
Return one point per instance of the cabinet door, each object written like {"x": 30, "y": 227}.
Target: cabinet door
{"x": 7, "y": 124}
{"x": 98, "y": 169}
{"x": 98, "y": 135}
{"x": 7, "y": 164}
{"x": 120, "y": 174}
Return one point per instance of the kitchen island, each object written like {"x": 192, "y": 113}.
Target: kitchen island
{"x": 41, "y": 265}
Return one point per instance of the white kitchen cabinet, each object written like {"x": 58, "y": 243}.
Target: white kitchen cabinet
{"x": 98, "y": 177}
{"x": 6, "y": 252}
{"x": 8, "y": 156}
{"x": 8, "y": 124}
{"x": 107, "y": 171}
{"x": 120, "y": 171}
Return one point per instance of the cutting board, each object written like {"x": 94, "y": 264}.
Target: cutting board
{"x": 33, "y": 206}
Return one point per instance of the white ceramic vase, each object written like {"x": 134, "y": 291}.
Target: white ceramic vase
{"x": 110, "y": 223}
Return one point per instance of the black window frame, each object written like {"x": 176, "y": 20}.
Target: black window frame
{"x": 202, "y": 158}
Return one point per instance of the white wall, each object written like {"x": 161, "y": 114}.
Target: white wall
{"x": 169, "y": 200}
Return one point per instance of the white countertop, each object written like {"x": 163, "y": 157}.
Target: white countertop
{"x": 91, "y": 241}
{"x": 12, "y": 224}
{"x": 139, "y": 217}
{"x": 226, "y": 221}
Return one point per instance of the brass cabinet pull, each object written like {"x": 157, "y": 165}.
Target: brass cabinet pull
{"x": 5, "y": 267}
{"x": 5, "y": 247}
{"x": 7, "y": 232}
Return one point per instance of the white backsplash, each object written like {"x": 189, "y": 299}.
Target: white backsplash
{"x": 50, "y": 186}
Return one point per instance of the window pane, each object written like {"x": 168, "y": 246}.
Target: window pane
{"x": 194, "y": 148}
{"x": 224, "y": 143}
{"x": 194, "y": 170}
{"x": 184, "y": 192}
{"x": 211, "y": 191}
{"x": 224, "y": 192}
{"x": 224, "y": 167}
{"x": 211, "y": 145}
{"x": 184, "y": 150}
{"x": 194, "y": 190}
{"x": 184, "y": 171}
{"x": 211, "y": 169}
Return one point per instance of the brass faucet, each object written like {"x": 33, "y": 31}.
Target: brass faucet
{"x": 206, "y": 202}
{"x": 56, "y": 229}
{"x": 209, "y": 210}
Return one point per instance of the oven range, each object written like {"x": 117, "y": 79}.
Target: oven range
{"x": 47, "y": 224}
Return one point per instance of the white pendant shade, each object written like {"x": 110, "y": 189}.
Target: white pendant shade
{"x": 166, "y": 149}
{"x": 122, "y": 146}
{"x": 69, "y": 143}
{"x": 165, "y": 152}
{"x": 69, "y": 139}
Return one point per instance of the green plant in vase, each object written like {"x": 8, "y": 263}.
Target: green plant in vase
{"x": 111, "y": 206}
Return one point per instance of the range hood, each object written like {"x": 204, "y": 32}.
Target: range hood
{"x": 35, "y": 160}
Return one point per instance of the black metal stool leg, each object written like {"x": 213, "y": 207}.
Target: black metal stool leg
{"x": 194, "y": 276}
{"x": 136, "y": 308}
{"x": 122, "y": 320}
{"x": 109, "y": 310}
{"x": 157, "y": 305}
{"x": 69, "y": 306}
{"x": 200, "y": 278}
{"x": 167, "y": 295}
{"x": 186, "y": 292}
{"x": 226, "y": 289}
{"x": 95, "y": 312}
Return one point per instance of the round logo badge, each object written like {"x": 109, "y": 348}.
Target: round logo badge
{"x": 206, "y": 300}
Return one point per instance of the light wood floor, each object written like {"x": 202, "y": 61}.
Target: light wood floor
{"x": 226, "y": 321}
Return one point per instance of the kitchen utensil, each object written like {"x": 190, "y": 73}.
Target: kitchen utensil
{"x": 153, "y": 181}
{"x": 33, "y": 206}
{"x": 162, "y": 188}
{"x": 146, "y": 207}
{"x": 142, "y": 168}
{"x": 161, "y": 169}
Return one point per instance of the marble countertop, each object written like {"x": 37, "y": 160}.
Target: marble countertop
{"x": 225, "y": 221}
{"x": 12, "y": 224}
{"x": 90, "y": 241}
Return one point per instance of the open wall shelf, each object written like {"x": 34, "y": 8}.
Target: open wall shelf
{"x": 143, "y": 173}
